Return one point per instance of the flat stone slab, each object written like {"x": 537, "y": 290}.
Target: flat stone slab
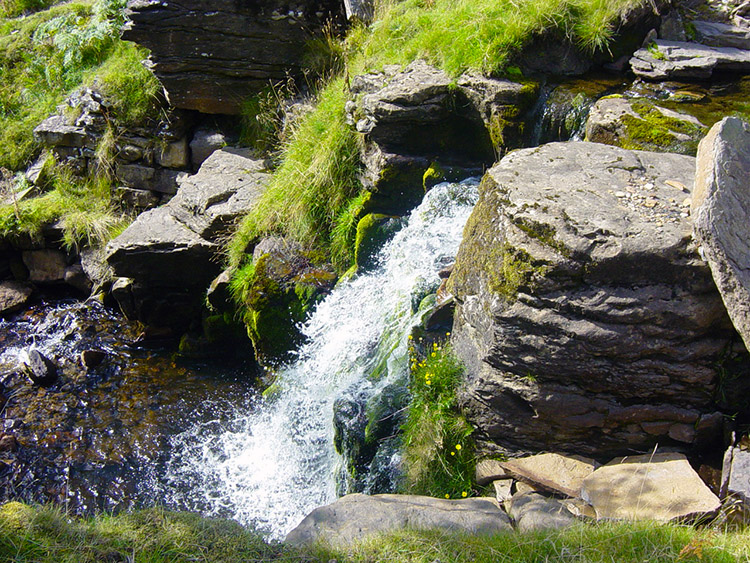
{"x": 532, "y": 511}
{"x": 721, "y": 215}
{"x": 355, "y": 517}
{"x": 660, "y": 487}
{"x": 13, "y": 296}
{"x": 488, "y": 470}
{"x": 668, "y": 60}
{"x": 553, "y": 472}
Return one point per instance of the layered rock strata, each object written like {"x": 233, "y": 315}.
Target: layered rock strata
{"x": 211, "y": 55}
{"x": 586, "y": 318}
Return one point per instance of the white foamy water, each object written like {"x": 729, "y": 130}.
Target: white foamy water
{"x": 272, "y": 466}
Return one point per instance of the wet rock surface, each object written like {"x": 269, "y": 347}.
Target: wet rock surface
{"x": 355, "y": 517}
{"x": 670, "y": 60}
{"x": 210, "y": 55}
{"x": 586, "y": 318}
{"x": 98, "y": 438}
{"x": 721, "y": 207}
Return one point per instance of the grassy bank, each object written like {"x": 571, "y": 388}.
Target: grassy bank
{"x": 43, "y": 58}
{"x": 46, "y": 535}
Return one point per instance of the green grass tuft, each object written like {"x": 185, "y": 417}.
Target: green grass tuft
{"x": 314, "y": 184}
{"x": 438, "y": 452}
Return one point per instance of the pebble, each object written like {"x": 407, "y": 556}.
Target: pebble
{"x": 687, "y": 202}
{"x": 620, "y": 194}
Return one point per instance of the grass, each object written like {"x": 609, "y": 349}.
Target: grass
{"x": 46, "y": 535}
{"x": 82, "y": 208}
{"x": 314, "y": 184}
{"x": 437, "y": 450}
{"x": 15, "y": 8}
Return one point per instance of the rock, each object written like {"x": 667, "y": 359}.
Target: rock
{"x": 659, "y": 486}
{"x": 356, "y": 517}
{"x": 13, "y": 296}
{"x": 718, "y": 34}
{"x": 95, "y": 267}
{"x": 205, "y": 142}
{"x": 56, "y": 130}
{"x": 228, "y": 184}
{"x": 133, "y": 198}
{"x": 570, "y": 338}
{"x": 674, "y": 60}
{"x": 502, "y": 489}
{"x": 92, "y": 358}
{"x": 45, "y": 266}
{"x": 122, "y": 292}
{"x": 488, "y": 470}
{"x": 218, "y": 294}
{"x": 672, "y": 27}
{"x": 553, "y": 472}
{"x": 174, "y": 155}
{"x": 532, "y": 511}
{"x": 40, "y": 369}
{"x": 735, "y": 479}
{"x": 210, "y": 55}
{"x": 373, "y": 231}
{"x": 720, "y": 209}
{"x": 359, "y": 10}
{"x": 641, "y": 124}
{"x": 8, "y": 443}
{"x": 170, "y": 252}
{"x": 75, "y": 277}
{"x": 286, "y": 284}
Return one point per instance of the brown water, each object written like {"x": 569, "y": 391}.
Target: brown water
{"x": 98, "y": 439}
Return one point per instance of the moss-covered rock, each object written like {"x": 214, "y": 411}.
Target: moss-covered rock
{"x": 373, "y": 230}
{"x": 277, "y": 294}
{"x": 641, "y": 124}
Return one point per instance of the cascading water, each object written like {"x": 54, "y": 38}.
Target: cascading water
{"x": 272, "y": 466}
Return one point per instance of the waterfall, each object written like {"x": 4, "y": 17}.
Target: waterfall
{"x": 273, "y": 465}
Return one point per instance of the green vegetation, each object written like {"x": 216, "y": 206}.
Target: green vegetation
{"x": 652, "y": 129}
{"x": 47, "y": 535}
{"x": 14, "y": 8}
{"x": 438, "y": 453}
{"x": 313, "y": 188}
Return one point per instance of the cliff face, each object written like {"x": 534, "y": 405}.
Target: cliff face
{"x": 212, "y": 54}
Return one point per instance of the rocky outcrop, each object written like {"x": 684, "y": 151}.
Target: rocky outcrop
{"x": 721, "y": 207}
{"x": 420, "y": 125}
{"x": 552, "y": 472}
{"x": 658, "y": 486}
{"x": 585, "y": 316}
{"x": 675, "y": 60}
{"x": 355, "y": 517}
{"x": 212, "y": 55}
{"x": 638, "y": 123}
{"x": 146, "y": 161}
{"x": 735, "y": 480}
{"x": 169, "y": 254}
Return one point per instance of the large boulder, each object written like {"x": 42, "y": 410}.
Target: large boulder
{"x": 656, "y": 486}
{"x": 13, "y": 296}
{"x": 210, "y": 55}
{"x": 170, "y": 253}
{"x": 721, "y": 208}
{"x": 585, "y": 316}
{"x": 356, "y": 517}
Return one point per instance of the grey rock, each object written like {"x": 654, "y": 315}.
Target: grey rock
{"x": 488, "y": 470}
{"x": 210, "y": 55}
{"x": 40, "y": 369}
{"x": 503, "y": 490}
{"x": 360, "y": 10}
{"x": 619, "y": 121}
{"x": 204, "y": 143}
{"x": 672, "y": 27}
{"x": 735, "y": 480}
{"x": 721, "y": 207}
{"x": 533, "y": 511}
{"x": 585, "y": 316}
{"x": 718, "y": 34}
{"x": 170, "y": 252}
{"x": 92, "y": 358}
{"x": 46, "y": 265}
{"x": 57, "y": 131}
{"x": 553, "y": 472}
{"x": 174, "y": 155}
{"x": 228, "y": 184}
{"x": 13, "y": 296}
{"x": 95, "y": 266}
{"x": 679, "y": 60}
{"x": 75, "y": 277}
{"x": 657, "y": 486}
{"x": 122, "y": 292}
{"x": 356, "y": 517}
{"x": 133, "y": 198}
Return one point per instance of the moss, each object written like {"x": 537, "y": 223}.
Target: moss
{"x": 433, "y": 176}
{"x": 654, "y": 130}
{"x": 517, "y": 270}
{"x": 373, "y": 230}
{"x": 544, "y": 233}
{"x": 16, "y": 516}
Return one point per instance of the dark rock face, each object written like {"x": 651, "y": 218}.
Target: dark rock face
{"x": 210, "y": 55}
{"x": 170, "y": 252}
{"x": 721, "y": 206}
{"x": 587, "y": 320}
